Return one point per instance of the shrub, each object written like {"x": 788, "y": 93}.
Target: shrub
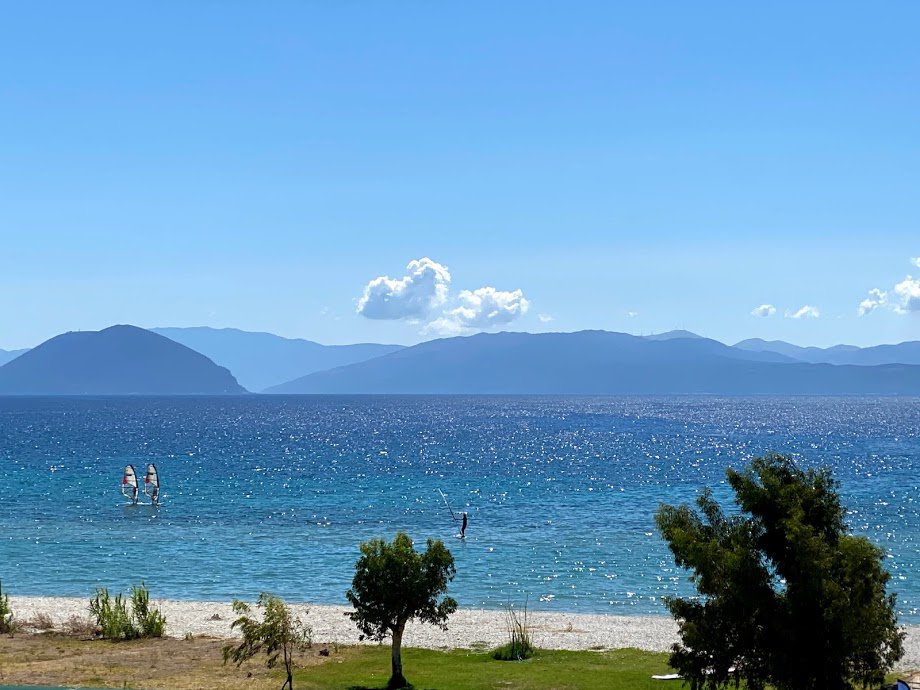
{"x": 7, "y": 626}
{"x": 80, "y": 626}
{"x": 150, "y": 622}
{"x": 115, "y": 623}
{"x": 519, "y": 645}
{"x": 41, "y": 621}
{"x": 112, "y": 616}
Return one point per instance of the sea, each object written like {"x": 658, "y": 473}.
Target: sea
{"x": 275, "y": 493}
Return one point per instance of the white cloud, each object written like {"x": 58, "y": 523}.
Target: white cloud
{"x": 806, "y": 312}
{"x": 545, "y": 318}
{"x": 877, "y": 298}
{"x": 632, "y": 314}
{"x": 908, "y": 292}
{"x": 484, "y": 307}
{"x": 916, "y": 261}
{"x": 763, "y": 310}
{"x": 414, "y": 296}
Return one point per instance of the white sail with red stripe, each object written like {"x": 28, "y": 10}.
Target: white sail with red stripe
{"x": 152, "y": 483}
{"x": 129, "y": 483}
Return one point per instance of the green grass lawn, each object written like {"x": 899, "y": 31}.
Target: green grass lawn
{"x": 365, "y": 668}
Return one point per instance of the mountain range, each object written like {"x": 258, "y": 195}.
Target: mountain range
{"x": 600, "y": 363}
{"x": 9, "y": 355}
{"x": 120, "y": 360}
{"x": 902, "y": 353}
{"x": 261, "y": 360}
{"x": 131, "y": 360}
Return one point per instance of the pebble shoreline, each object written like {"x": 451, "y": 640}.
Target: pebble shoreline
{"x": 467, "y": 628}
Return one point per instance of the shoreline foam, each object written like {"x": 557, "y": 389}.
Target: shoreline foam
{"x": 467, "y": 628}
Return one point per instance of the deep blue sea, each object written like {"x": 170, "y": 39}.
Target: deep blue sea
{"x": 275, "y": 493}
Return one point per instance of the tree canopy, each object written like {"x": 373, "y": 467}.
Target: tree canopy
{"x": 394, "y": 584}
{"x": 788, "y": 597}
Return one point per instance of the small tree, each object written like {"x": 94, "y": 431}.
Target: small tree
{"x": 394, "y": 584}
{"x": 279, "y": 635}
{"x": 788, "y": 598}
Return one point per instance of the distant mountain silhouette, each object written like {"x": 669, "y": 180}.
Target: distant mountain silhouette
{"x": 9, "y": 355}
{"x": 902, "y": 353}
{"x": 121, "y": 360}
{"x": 599, "y": 363}
{"x": 260, "y": 360}
{"x": 672, "y": 335}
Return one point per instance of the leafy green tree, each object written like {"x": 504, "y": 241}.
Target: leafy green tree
{"x": 788, "y": 597}
{"x": 394, "y": 584}
{"x": 278, "y": 634}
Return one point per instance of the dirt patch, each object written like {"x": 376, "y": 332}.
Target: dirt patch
{"x": 158, "y": 664}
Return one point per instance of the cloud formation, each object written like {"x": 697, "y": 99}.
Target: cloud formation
{"x": 908, "y": 292}
{"x": 545, "y": 318}
{"x": 763, "y": 311}
{"x": 486, "y": 307}
{"x": 916, "y": 261}
{"x": 414, "y": 296}
{"x": 805, "y": 312}
{"x": 877, "y": 298}
{"x": 423, "y": 294}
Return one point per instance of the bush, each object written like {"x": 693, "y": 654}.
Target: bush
{"x": 519, "y": 645}
{"x": 150, "y": 623}
{"x": 80, "y": 626}
{"x": 7, "y": 626}
{"x": 40, "y": 621}
{"x": 112, "y": 616}
{"x": 114, "y": 621}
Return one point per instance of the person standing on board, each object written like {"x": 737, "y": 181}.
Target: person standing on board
{"x": 463, "y": 527}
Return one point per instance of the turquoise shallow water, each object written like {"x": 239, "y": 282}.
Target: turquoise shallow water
{"x": 275, "y": 493}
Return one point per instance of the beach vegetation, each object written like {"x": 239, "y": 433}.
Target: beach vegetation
{"x": 114, "y": 622}
{"x": 149, "y": 621}
{"x": 520, "y": 643}
{"x": 7, "y": 624}
{"x": 787, "y": 597}
{"x": 394, "y": 584}
{"x": 41, "y": 621}
{"x": 279, "y": 635}
{"x": 79, "y": 626}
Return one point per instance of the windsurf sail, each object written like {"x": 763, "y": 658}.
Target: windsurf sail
{"x": 152, "y": 482}
{"x": 129, "y": 483}
{"x": 453, "y": 517}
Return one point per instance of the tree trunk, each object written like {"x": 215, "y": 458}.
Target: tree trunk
{"x": 289, "y": 668}
{"x": 397, "y": 679}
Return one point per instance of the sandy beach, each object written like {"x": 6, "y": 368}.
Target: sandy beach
{"x": 468, "y": 628}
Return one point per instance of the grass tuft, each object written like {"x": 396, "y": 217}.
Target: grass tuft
{"x": 520, "y": 643}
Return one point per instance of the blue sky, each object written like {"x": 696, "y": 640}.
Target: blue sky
{"x": 635, "y": 167}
